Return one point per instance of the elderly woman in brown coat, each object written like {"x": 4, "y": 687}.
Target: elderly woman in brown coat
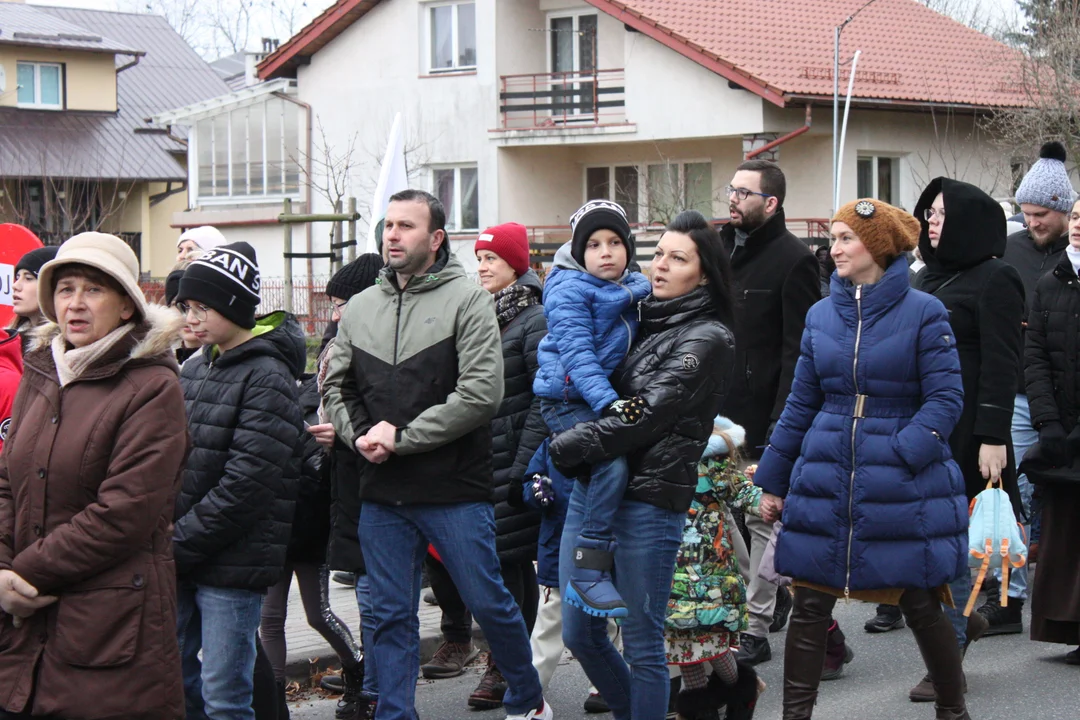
{"x": 88, "y": 478}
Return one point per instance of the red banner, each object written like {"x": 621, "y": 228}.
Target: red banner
{"x": 15, "y": 241}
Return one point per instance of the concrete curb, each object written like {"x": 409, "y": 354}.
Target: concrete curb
{"x": 301, "y": 669}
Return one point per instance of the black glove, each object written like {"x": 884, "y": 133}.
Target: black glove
{"x": 769, "y": 431}
{"x": 1053, "y": 442}
{"x": 1073, "y": 442}
{"x": 571, "y": 468}
{"x": 629, "y": 410}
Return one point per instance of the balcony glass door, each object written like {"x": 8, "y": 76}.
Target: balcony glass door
{"x": 573, "y": 67}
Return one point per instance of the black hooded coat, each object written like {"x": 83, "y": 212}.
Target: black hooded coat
{"x": 985, "y": 299}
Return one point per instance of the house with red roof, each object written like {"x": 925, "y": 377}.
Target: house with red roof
{"x": 522, "y": 109}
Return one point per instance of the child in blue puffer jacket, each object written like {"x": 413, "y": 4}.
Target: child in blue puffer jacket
{"x": 590, "y": 302}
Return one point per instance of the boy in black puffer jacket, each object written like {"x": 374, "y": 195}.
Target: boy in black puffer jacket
{"x": 236, "y": 505}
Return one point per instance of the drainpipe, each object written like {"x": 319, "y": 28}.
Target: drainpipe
{"x": 781, "y": 140}
{"x": 136, "y": 57}
{"x": 307, "y": 175}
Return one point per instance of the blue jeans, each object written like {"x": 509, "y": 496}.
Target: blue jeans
{"x": 648, "y": 540}
{"x": 961, "y": 589}
{"x": 367, "y": 635}
{"x": 221, "y": 622}
{"x": 1023, "y": 437}
{"x": 395, "y": 540}
{"x": 607, "y": 484}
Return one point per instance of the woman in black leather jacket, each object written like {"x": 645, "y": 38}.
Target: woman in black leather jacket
{"x": 678, "y": 369}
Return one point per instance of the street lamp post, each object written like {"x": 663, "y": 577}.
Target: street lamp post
{"x": 836, "y": 102}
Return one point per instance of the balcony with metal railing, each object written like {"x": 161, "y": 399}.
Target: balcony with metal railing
{"x": 563, "y": 102}
{"x": 545, "y": 240}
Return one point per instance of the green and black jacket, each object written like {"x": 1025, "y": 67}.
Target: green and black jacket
{"x": 427, "y": 359}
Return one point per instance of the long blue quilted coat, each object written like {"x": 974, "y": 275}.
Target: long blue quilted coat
{"x": 873, "y": 499}
{"x": 591, "y": 325}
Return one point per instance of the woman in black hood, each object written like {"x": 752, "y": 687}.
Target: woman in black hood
{"x": 962, "y": 241}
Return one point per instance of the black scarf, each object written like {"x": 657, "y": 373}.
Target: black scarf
{"x": 511, "y": 300}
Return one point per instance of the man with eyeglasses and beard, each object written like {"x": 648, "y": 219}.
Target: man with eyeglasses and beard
{"x": 776, "y": 282}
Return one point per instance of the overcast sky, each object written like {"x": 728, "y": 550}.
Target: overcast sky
{"x": 1002, "y": 9}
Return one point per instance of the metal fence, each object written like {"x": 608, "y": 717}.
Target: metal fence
{"x": 310, "y": 304}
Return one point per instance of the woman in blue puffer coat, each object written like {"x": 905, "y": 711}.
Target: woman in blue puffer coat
{"x": 874, "y": 507}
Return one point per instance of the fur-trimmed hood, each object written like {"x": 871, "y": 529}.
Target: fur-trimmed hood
{"x": 152, "y": 342}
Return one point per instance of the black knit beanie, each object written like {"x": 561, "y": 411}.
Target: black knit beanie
{"x": 172, "y": 286}
{"x": 355, "y": 277}
{"x": 599, "y": 215}
{"x": 33, "y": 260}
{"x": 227, "y": 280}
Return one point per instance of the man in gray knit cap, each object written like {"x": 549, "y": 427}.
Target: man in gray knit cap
{"x": 1046, "y": 198}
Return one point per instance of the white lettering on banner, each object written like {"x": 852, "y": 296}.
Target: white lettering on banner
{"x": 7, "y": 277}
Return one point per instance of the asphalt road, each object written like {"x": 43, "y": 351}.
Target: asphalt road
{"x": 1009, "y": 678}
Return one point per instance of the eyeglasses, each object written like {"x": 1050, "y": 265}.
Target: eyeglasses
{"x": 929, "y": 213}
{"x": 199, "y": 311}
{"x": 339, "y": 306}
{"x": 743, "y": 193}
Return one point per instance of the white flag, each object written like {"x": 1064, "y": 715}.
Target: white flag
{"x": 392, "y": 178}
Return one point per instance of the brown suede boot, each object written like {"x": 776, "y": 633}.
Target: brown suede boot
{"x": 804, "y": 651}
{"x": 937, "y": 644}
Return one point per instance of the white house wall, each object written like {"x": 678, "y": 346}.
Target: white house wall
{"x": 670, "y": 96}
{"x": 357, "y": 83}
{"x": 679, "y": 110}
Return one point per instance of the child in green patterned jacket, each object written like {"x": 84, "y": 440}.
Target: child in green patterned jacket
{"x": 707, "y": 609}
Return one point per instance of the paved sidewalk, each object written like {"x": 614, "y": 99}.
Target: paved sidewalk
{"x": 308, "y": 648}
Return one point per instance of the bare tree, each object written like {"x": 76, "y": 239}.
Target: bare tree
{"x": 979, "y": 15}
{"x": 331, "y": 169}
{"x": 283, "y": 17}
{"x": 231, "y": 22}
{"x": 59, "y": 198}
{"x": 960, "y": 148}
{"x": 185, "y": 16}
{"x": 1047, "y": 86}
{"x": 223, "y": 27}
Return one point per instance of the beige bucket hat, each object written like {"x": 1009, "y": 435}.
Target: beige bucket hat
{"x": 107, "y": 253}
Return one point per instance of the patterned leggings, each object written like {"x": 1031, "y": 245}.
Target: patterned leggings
{"x": 697, "y": 675}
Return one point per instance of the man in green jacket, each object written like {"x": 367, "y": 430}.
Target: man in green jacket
{"x": 413, "y": 382}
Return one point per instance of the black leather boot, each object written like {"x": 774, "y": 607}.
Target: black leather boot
{"x": 937, "y": 643}
{"x": 804, "y": 651}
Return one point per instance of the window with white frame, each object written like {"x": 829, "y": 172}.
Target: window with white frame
{"x": 676, "y": 186}
{"x": 249, "y": 153}
{"x": 654, "y": 192}
{"x": 41, "y": 85}
{"x": 451, "y": 36}
{"x": 879, "y": 177}
{"x": 620, "y": 183}
{"x": 456, "y": 188}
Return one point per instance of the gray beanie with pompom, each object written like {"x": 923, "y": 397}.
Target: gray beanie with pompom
{"x": 1047, "y": 182}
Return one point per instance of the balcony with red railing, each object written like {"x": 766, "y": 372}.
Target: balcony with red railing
{"x": 562, "y": 100}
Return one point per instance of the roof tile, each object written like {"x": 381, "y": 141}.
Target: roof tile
{"x": 909, "y": 52}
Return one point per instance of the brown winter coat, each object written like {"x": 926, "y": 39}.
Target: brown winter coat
{"x": 88, "y": 479}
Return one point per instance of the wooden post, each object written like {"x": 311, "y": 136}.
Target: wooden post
{"x": 288, "y": 258}
{"x": 352, "y": 229}
{"x": 339, "y": 238}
